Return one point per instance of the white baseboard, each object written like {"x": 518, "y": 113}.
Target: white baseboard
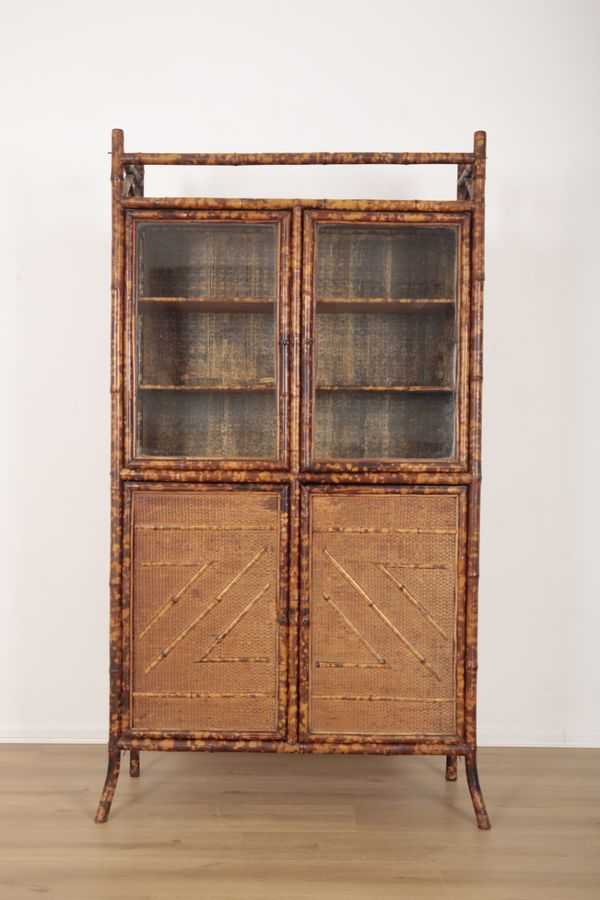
{"x": 54, "y": 735}
{"x": 502, "y": 737}
{"x": 487, "y": 737}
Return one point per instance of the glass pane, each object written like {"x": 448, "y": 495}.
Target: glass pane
{"x": 385, "y": 341}
{"x": 207, "y": 339}
{"x": 208, "y": 259}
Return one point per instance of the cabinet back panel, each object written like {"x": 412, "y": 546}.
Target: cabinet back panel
{"x": 185, "y": 346}
{"x": 405, "y": 261}
{"x": 386, "y": 349}
{"x": 208, "y": 259}
{"x": 215, "y": 424}
{"x": 370, "y": 425}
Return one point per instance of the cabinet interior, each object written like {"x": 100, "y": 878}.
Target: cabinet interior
{"x": 385, "y": 323}
{"x": 207, "y": 301}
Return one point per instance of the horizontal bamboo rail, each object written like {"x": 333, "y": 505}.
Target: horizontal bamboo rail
{"x": 296, "y": 159}
{"x": 182, "y": 204}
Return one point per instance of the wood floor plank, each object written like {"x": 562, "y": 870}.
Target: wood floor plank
{"x": 262, "y": 827}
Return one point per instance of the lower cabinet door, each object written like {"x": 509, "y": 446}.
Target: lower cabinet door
{"x": 207, "y": 600}
{"x": 382, "y": 614}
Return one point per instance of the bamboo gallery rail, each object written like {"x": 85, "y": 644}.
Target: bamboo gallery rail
{"x": 295, "y": 534}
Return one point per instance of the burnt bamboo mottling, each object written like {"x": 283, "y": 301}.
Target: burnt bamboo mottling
{"x": 294, "y": 475}
{"x": 451, "y": 768}
{"x": 185, "y": 204}
{"x": 134, "y": 763}
{"x": 296, "y": 159}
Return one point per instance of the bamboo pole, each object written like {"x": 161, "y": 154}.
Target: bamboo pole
{"x": 296, "y": 159}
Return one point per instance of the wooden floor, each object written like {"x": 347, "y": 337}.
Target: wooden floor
{"x": 261, "y": 826}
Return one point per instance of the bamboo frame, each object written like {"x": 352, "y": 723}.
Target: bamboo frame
{"x": 291, "y": 476}
{"x": 297, "y": 159}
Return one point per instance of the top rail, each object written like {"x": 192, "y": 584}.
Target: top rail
{"x": 296, "y": 159}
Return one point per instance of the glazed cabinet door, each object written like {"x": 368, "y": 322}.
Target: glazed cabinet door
{"x": 206, "y": 612}
{"x": 385, "y": 325}
{"x": 381, "y": 647}
{"x": 208, "y": 339}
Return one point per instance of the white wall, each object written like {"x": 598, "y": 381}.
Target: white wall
{"x": 313, "y": 76}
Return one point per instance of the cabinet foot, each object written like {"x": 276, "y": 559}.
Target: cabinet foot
{"x": 451, "y": 768}
{"x": 481, "y": 815}
{"x": 134, "y": 763}
{"x": 108, "y": 792}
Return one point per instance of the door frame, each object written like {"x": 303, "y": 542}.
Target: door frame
{"x": 138, "y": 465}
{"x": 459, "y": 462}
{"x": 464, "y": 715}
{"x": 122, "y": 638}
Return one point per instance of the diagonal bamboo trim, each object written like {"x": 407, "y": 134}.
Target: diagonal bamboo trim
{"x": 380, "y": 659}
{"x": 180, "y": 637}
{"x": 424, "y": 612}
{"x": 380, "y": 613}
{"x": 221, "y": 637}
{"x": 173, "y": 600}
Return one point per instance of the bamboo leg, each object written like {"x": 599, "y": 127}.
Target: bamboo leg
{"x": 451, "y": 768}
{"x": 481, "y": 815}
{"x": 134, "y": 763}
{"x": 114, "y": 764}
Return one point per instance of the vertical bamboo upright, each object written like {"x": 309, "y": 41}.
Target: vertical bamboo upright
{"x": 295, "y": 556}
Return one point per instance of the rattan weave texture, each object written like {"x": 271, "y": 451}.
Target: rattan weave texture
{"x": 383, "y": 614}
{"x": 204, "y": 629}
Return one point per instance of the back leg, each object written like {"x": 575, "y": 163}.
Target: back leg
{"x": 134, "y": 763}
{"x": 451, "y": 767}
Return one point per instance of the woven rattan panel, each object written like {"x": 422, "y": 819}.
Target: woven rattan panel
{"x": 383, "y": 613}
{"x": 204, "y": 616}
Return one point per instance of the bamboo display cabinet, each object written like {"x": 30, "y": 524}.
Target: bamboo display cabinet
{"x": 296, "y": 418}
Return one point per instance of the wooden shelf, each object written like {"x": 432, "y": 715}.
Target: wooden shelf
{"x": 383, "y": 304}
{"x": 208, "y": 387}
{"x": 213, "y": 304}
{"x": 389, "y": 388}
